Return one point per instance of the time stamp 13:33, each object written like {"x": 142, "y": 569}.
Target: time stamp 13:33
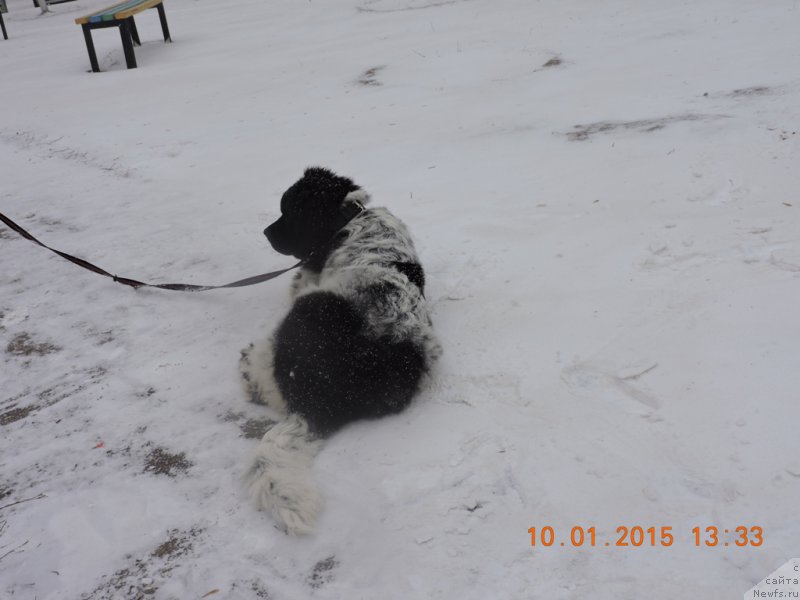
{"x": 637, "y": 536}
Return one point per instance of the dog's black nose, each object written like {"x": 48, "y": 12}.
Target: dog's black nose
{"x": 276, "y": 239}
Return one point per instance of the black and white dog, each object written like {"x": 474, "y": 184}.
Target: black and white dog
{"x": 356, "y": 343}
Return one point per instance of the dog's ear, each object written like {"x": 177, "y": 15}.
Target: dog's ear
{"x": 326, "y": 179}
{"x": 318, "y": 173}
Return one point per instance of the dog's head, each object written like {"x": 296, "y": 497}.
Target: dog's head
{"x": 312, "y": 212}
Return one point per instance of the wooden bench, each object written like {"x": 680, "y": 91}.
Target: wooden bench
{"x": 121, "y": 15}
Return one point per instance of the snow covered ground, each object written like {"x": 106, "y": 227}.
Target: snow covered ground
{"x": 605, "y": 197}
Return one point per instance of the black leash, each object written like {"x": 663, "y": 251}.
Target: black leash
{"x": 178, "y": 287}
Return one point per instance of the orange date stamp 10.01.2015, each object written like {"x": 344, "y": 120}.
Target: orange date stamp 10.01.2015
{"x": 637, "y": 536}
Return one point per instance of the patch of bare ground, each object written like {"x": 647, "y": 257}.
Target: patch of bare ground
{"x": 756, "y": 90}
{"x": 251, "y": 428}
{"x": 179, "y": 543}
{"x": 259, "y": 590}
{"x": 252, "y": 588}
{"x": 744, "y": 93}
{"x": 16, "y": 414}
{"x": 51, "y": 148}
{"x": 23, "y": 345}
{"x": 370, "y": 77}
{"x": 584, "y": 132}
{"x": 255, "y": 428}
{"x": 12, "y": 412}
{"x": 323, "y": 572}
{"x": 102, "y": 337}
{"x": 145, "y": 575}
{"x": 161, "y": 462}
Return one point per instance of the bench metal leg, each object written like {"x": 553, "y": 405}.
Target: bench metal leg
{"x": 134, "y": 32}
{"x": 3, "y": 27}
{"x": 87, "y": 35}
{"x": 127, "y": 43}
{"x": 163, "y": 17}
{"x": 128, "y": 33}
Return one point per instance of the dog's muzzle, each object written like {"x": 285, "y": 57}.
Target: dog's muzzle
{"x": 276, "y": 239}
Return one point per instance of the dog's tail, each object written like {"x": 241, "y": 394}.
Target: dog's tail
{"x": 279, "y": 479}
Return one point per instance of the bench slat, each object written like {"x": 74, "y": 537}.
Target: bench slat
{"x": 89, "y": 18}
{"x": 139, "y": 8}
{"x": 123, "y": 10}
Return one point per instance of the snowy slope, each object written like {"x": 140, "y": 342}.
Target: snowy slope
{"x": 605, "y": 197}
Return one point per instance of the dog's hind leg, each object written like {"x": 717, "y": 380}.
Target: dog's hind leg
{"x": 257, "y": 366}
{"x": 279, "y": 478}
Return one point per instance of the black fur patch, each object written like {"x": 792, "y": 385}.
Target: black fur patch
{"x": 331, "y": 373}
{"x": 414, "y": 272}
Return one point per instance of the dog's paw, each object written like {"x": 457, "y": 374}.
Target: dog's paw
{"x": 248, "y": 382}
{"x": 296, "y": 286}
{"x": 295, "y": 505}
{"x": 302, "y": 280}
{"x": 279, "y": 478}
{"x": 258, "y": 381}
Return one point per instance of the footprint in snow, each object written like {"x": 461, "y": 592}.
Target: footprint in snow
{"x": 621, "y": 387}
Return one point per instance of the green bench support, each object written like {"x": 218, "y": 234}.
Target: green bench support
{"x": 121, "y": 15}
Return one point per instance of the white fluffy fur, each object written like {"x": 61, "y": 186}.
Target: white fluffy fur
{"x": 279, "y": 479}
{"x": 358, "y": 195}
{"x": 360, "y": 262}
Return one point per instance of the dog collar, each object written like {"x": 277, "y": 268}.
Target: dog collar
{"x": 348, "y": 212}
